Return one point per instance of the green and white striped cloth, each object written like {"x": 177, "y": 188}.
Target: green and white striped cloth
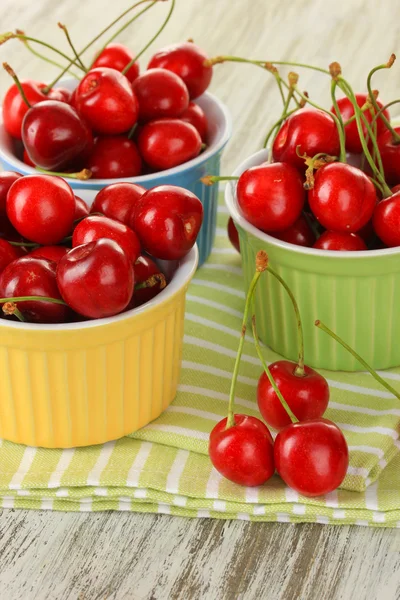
{"x": 164, "y": 468}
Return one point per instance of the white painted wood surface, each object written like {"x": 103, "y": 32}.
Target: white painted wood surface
{"x": 46, "y": 555}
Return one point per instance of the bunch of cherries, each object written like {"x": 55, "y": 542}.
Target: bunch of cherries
{"x": 60, "y": 262}
{"x": 117, "y": 122}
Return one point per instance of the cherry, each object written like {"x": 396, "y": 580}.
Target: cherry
{"x": 81, "y": 208}
{"x": 167, "y": 143}
{"x": 54, "y": 253}
{"x": 114, "y": 157}
{"x": 313, "y": 130}
{"x": 188, "y": 61}
{"x": 8, "y": 253}
{"x": 196, "y": 116}
{"x": 243, "y": 453}
{"x": 346, "y": 109}
{"x": 233, "y": 234}
{"x": 312, "y": 456}
{"x": 15, "y": 108}
{"x": 7, "y": 178}
{"x": 390, "y": 155}
{"x": 300, "y": 233}
{"x": 118, "y": 201}
{"x": 144, "y": 269}
{"x": 96, "y": 279}
{"x": 104, "y": 97}
{"x": 60, "y": 93}
{"x": 29, "y": 276}
{"x": 117, "y": 56}
{"x": 367, "y": 233}
{"x": 339, "y": 241}
{"x": 41, "y": 208}
{"x": 343, "y": 198}
{"x": 271, "y": 196}
{"x": 96, "y": 227}
{"x": 160, "y": 93}
{"x": 386, "y": 220}
{"x": 54, "y": 135}
{"x": 27, "y": 160}
{"x": 167, "y": 221}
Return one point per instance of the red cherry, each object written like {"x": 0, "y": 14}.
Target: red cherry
{"x": 81, "y": 208}
{"x": 390, "y": 154}
{"x": 160, "y": 93}
{"x": 96, "y": 279}
{"x": 313, "y": 130}
{"x": 118, "y": 201}
{"x": 243, "y": 453}
{"x": 14, "y": 107}
{"x": 346, "y": 109}
{"x": 8, "y": 253}
{"x": 271, "y": 196}
{"x": 114, "y": 157}
{"x": 339, "y": 241}
{"x": 144, "y": 268}
{"x": 60, "y": 93}
{"x": 33, "y": 277}
{"x": 54, "y": 135}
{"x": 167, "y": 221}
{"x": 312, "y": 456}
{"x": 196, "y": 116}
{"x": 343, "y": 198}
{"x": 104, "y": 97}
{"x": 27, "y": 160}
{"x": 167, "y": 143}
{"x": 7, "y": 178}
{"x": 233, "y": 234}
{"x": 186, "y": 60}
{"x": 307, "y": 395}
{"x": 386, "y": 220}
{"x": 300, "y": 233}
{"x": 95, "y": 227}
{"x": 54, "y": 253}
{"x": 117, "y": 56}
{"x": 41, "y": 208}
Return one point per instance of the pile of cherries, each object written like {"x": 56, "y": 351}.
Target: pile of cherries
{"x": 117, "y": 122}
{"x": 60, "y": 262}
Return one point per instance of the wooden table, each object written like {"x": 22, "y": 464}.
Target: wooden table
{"x": 58, "y": 556}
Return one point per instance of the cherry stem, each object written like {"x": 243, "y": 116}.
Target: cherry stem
{"x": 268, "y": 373}
{"x": 33, "y": 298}
{"x": 23, "y": 244}
{"x": 222, "y": 59}
{"x": 78, "y": 58}
{"x": 211, "y": 179}
{"x": 261, "y": 265}
{"x": 277, "y": 124}
{"x": 336, "y": 107}
{"x": 72, "y": 61}
{"x": 358, "y": 357}
{"x": 83, "y": 175}
{"x": 10, "y": 308}
{"x": 43, "y": 57}
{"x": 12, "y": 74}
{"x": 396, "y": 136}
{"x": 153, "y": 280}
{"x": 128, "y": 66}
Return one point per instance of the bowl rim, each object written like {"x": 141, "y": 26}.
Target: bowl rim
{"x": 179, "y": 170}
{"x": 181, "y": 278}
{"x": 234, "y": 211}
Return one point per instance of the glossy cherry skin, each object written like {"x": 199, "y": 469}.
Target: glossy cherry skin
{"x": 105, "y": 99}
{"x": 300, "y": 233}
{"x": 233, "y": 234}
{"x": 96, "y": 279}
{"x": 307, "y": 396}
{"x": 7, "y": 178}
{"x": 243, "y": 453}
{"x": 54, "y": 135}
{"x": 54, "y": 253}
{"x": 313, "y": 130}
{"x": 390, "y": 154}
{"x": 160, "y": 93}
{"x": 196, "y": 116}
{"x": 81, "y": 208}
{"x": 117, "y": 56}
{"x": 41, "y": 208}
{"x": 271, "y": 196}
{"x": 96, "y": 227}
{"x": 167, "y": 143}
{"x": 8, "y": 253}
{"x": 167, "y": 221}
{"x": 353, "y": 143}
{"x": 386, "y": 220}
{"x": 187, "y": 61}
{"x": 311, "y": 456}
{"x": 14, "y": 107}
{"x": 118, "y": 201}
{"x": 144, "y": 268}
{"x": 343, "y": 198}
{"x": 340, "y": 242}
{"x": 26, "y": 159}
{"x": 29, "y": 276}
{"x": 114, "y": 157}
{"x": 60, "y": 93}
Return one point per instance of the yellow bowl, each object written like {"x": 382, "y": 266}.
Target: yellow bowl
{"x": 87, "y": 383}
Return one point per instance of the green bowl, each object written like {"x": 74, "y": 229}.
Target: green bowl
{"x": 354, "y": 293}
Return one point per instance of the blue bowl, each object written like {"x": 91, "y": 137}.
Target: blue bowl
{"x": 187, "y": 175}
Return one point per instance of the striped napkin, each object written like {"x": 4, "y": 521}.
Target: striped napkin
{"x": 165, "y": 468}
